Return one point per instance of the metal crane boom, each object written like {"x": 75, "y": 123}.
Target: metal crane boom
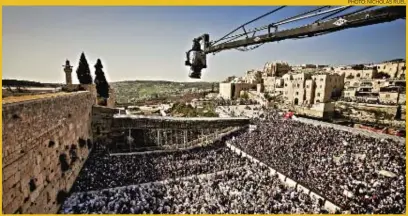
{"x": 202, "y": 45}
{"x": 381, "y": 15}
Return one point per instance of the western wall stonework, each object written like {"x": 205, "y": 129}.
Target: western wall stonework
{"x": 45, "y": 143}
{"x": 102, "y": 120}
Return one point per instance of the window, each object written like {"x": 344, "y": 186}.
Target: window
{"x": 307, "y": 86}
{"x": 321, "y": 79}
{"x": 387, "y": 96}
{"x": 286, "y": 84}
{"x": 318, "y": 94}
{"x": 297, "y": 93}
{"x": 297, "y": 85}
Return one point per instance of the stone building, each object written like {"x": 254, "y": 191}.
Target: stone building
{"x": 308, "y": 88}
{"x": 351, "y": 74}
{"x": 392, "y": 94}
{"x": 273, "y": 84}
{"x": 294, "y": 88}
{"x": 327, "y": 87}
{"x": 231, "y": 91}
{"x": 269, "y": 84}
{"x": 253, "y": 77}
{"x": 276, "y": 69}
{"x": 350, "y": 92}
{"x": 395, "y": 69}
{"x": 225, "y": 90}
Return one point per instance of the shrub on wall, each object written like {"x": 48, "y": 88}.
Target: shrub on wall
{"x": 63, "y": 162}
{"x": 81, "y": 142}
{"x": 61, "y": 196}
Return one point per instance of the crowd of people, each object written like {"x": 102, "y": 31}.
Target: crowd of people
{"x": 359, "y": 173}
{"x": 105, "y": 171}
{"x": 247, "y": 190}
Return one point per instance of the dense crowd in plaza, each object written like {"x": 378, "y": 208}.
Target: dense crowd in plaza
{"x": 360, "y": 174}
{"x": 105, "y": 171}
{"x": 249, "y": 189}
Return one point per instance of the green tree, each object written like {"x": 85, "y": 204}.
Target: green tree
{"x": 245, "y": 95}
{"x": 358, "y": 67}
{"x": 83, "y": 71}
{"x": 102, "y": 86}
{"x": 381, "y": 75}
{"x": 350, "y": 76}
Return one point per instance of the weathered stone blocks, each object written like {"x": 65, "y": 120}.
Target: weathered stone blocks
{"x": 35, "y": 133}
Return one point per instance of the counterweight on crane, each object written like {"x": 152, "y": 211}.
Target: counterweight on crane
{"x": 196, "y": 57}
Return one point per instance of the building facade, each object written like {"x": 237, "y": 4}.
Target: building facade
{"x": 276, "y": 69}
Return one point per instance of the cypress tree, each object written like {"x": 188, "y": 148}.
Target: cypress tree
{"x": 83, "y": 71}
{"x": 102, "y": 86}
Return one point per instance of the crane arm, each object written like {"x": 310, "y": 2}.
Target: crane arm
{"x": 363, "y": 17}
{"x": 381, "y": 15}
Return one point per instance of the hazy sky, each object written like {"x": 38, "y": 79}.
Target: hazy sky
{"x": 150, "y": 42}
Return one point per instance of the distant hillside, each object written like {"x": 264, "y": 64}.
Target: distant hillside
{"x": 135, "y": 91}
{"x": 26, "y": 83}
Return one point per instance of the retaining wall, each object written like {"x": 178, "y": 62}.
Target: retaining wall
{"x": 45, "y": 143}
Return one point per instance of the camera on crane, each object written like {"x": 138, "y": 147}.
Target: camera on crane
{"x": 196, "y": 57}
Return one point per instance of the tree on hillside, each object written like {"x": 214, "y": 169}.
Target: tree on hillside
{"x": 381, "y": 75}
{"x": 83, "y": 71}
{"x": 358, "y": 67}
{"x": 102, "y": 86}
{"x": 245, "y": 95}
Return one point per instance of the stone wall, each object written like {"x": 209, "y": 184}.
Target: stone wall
{"x": 102, "y": 119}
{"x": 226, "y": 90}
{"x": 352, "y": 130}
{"x": 92, "y": 89}
{"x": 112, "y": 98}
{"x": 45, "y": 143}
{"x": 371, "y": 113}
